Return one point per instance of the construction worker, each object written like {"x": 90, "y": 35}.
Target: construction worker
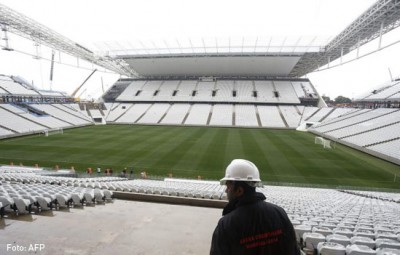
{"x": 249, "y": 224}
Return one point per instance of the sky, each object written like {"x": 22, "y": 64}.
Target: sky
{"x": 98, "y": 22}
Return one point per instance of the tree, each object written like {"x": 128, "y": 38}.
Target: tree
{"x": 326, "y": 99}
{"x": 342, "y": 100}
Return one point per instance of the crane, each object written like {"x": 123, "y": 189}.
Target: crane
{"x": 80, "y": 86}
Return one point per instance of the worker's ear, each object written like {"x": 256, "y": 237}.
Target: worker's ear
{"x": 239, "y": 191}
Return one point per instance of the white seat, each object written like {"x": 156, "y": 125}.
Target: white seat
{"x": 77, "y": 198}
{"x": 7, "y": 202}
{"x": 322, "y": 230}
{"x": 45, "y": 203}
{"x": 310, "y": 223}
{"x": 363, "y": 241}
{"x": 387, "y": 243}
{"x": 386, "y": 235}
{"x": 62, "y": 200}
{"x": 311, "y": 240}
{"x": 387, "y": 251}
{"x": 329, "y": 248}
{"x": 356, "y": 249}
{"x": 300, "y": 230}
{"x": 340, "y": 239}
{"x": 108, "y": 195}
{"x": 89, "y": 196}
{"x": 22, "y": 205}
{"x": 328, "y": 225}
{"x": 343, "y": 231}
{"x": 365, "y": 233}
{"x": 99, "y": 195}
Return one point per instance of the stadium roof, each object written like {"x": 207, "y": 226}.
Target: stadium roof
{"x": 286, "y": 56}
{"x": 270, "y": 56}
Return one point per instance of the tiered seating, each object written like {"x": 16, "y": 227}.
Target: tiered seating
{"x": 204, "y": 91}
{"x": 215, "y": 91}
{"x": 245, "y": 115}
{"x": 245, "y": 91}
{"x": 308, "y": 111}
{"x": 45, "y": 120}
{"x": 338, "y": 112}
{"x": 130, "y": 91}
{"x": 95, "y": 113}
{"x": 17, "y": 123}
{"x": 265, "y": 90}
{"x": 3, "y": 92}
{"x": 367, "y": 125}
{"x": 385, "y": 93}
{"x": 185, "y": 90}
{"x": 323, "y": 112}
{"x": 287, "y": 93}
{"x": 116, "y": 111}
{"x": 224, "y": 90}
{"x": 270, "y": 117}
{"x": 303, "y": 89}
{"x": 75, "y": 110}
{"x": 221, "y": 115}
{"x": 171, "y": 187}
{"x": 7, "y": 84}
{"x": 198, "y": 114}
{"x": 166, "y": 90}
{"x": 348, "y": 120}
{"x": 325, "y": 220}
{"x": 176, "y": 114}
{"x": 108, "y": 107}
{"x": 388, "y": 148}
{"x": 133, "y": 113}
{"x": 49, "y": 93}
{"x": 154, "y": 114}
{"x": 63, "y": 113}
{"x": 23, "y": 198}
{"x": 291, "y": 116}
{"x": 148, "y": 90}
{"x": 5, "y": 132}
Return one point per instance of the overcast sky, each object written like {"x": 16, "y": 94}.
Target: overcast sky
{"x": 89, "y": 22}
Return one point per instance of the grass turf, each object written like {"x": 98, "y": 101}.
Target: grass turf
{"x": 281, "y": 156}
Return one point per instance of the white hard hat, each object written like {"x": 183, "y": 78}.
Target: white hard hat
{"x": 242, "y": 170}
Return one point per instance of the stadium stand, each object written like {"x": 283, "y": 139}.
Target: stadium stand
{"x": 8, "y": 85}
{"x": 245, "y": 91}
{"x": 116, "y": 111}
{"x": 390, "y": 91}
{"x": 270, "y": 117}
{"x": 291, "y": 115}
{"x": 185, "y": 90}
{"x": 204, "y": 91}
{"x": 17, "y": 123}
{"x": 390, "y": 148}
{"x": 212, "y": 91}
{"x": 133, "y": 113}
{"x": 246, "y": 116}
{"x": 198, "y": 114}
{"x": 64, "y": 113}
{"x": 44, "y": 120}
{"x": 374, "y": 130}
{"x": 154, "y": 114}
{"x": 286, "y": 92}
{"x": 221, "y": 115}
{"x": 176, "y": 114}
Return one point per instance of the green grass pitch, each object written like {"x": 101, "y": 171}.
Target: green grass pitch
{"x": 281, "y": 155}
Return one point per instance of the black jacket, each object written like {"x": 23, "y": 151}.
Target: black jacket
{"x": 252, "y": 226}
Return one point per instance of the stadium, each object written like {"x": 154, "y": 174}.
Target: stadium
{"x": 132, "y": 165}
